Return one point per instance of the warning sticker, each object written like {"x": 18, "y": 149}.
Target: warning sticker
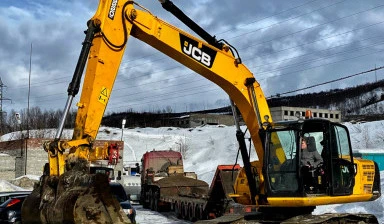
{"x": 103, "y": 96}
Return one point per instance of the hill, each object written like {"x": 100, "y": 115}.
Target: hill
{"x": 363, "y": 102}
{"x": 359, "y": 100}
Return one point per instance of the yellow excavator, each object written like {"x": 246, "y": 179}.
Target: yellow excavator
{"x": 273, "y": 187}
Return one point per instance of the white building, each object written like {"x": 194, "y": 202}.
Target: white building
{"x": 284, "y": 113}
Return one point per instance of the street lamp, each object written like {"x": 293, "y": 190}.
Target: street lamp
{"x": 122, "y": 128}
{"x": 18, "y": 118}
{"x": 18, "y": 121}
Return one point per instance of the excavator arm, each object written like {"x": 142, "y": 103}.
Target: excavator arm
{"x": 103, "y": 48}
{"x": 113, "y": 23}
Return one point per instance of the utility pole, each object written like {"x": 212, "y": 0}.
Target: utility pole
{"x": 1, "y": 106}
{"x": 29, "y": 93}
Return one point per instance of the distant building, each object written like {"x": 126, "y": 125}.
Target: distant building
{"x": 194, "y": 120}
{"x": 28, "y": 157}
{"x": 281, "y": 113}
{"x": 284, "y": 113}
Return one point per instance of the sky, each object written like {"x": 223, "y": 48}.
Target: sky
{"x": 287, "y": 45}
{"x": 209, "y": 146}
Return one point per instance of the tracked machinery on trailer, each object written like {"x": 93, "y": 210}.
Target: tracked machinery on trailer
{"x": 166, "y": 186}
{"x": 273, "y": 187}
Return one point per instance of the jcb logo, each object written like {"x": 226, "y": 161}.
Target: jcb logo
{"x": 202, "y": 53}
{"x": 197, "y": 54}
{"x": 112, "y": 9}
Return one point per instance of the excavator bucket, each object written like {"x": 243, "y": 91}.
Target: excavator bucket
{"x": 74, "y": 197}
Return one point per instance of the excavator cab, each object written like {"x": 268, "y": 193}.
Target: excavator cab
{"x": 335, "y": 175}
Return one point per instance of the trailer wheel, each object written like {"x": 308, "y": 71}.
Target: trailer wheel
{"x": 151, "y": 201}
{"x": 145, "y": 200}
{"x": 190, "y": 215}
{"x": 166, "y": 207}
{"x": 184, "y": 210}
{"x": 198, "y": 212}
{"x": 177, "y": 207}
{"x": 156, "y": 201}
{"x": 154, "y": 206}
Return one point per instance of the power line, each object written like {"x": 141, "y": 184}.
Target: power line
{"x": 322, "y": 50}
{"x": 255, "y": 21}
{"x": 320, "y": 84}
{"x": 200, "y": 92}
{"x": 301, "y": 63}
{"x": 312, "y": 27}
{"x": 270, "y": 16}
{"x": 321, "y": 65}
{"x": 273, "y": 25}
{"x": 283, "y": 21}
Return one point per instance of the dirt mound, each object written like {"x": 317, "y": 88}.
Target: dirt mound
{"x": 24, "y": 182}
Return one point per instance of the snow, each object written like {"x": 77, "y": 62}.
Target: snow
{"x": 206, "y": 147}
{"x": 146, "y": 216}
{"x": 370, "y": 151}
{"x": 6, "y": 186}
{"x": 31, "y": 177}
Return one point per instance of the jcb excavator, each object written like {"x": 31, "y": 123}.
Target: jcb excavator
{"x": 274, "y": 186}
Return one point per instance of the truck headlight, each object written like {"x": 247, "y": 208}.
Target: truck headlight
{"x": 11, "y": 216}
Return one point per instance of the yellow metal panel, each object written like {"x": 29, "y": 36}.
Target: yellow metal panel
{"x": 102, "y": 68}
{"x": 314, "y": 201}
{"x": 365, "y": 177}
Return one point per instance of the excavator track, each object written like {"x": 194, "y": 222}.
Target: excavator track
{"x": 327, "y": 218}
{"x": 333, "y": 218}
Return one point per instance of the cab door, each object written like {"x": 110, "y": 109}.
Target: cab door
{"x": 280, "y": 164}
{"x": 342, "y": 175}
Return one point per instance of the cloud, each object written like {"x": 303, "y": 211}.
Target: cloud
{"x": 286, "y": 44}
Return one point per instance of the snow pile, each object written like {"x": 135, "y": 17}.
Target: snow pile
{"x": 7, "y": 186}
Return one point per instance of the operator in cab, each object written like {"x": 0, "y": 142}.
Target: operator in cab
{"x": 310, "y": 160}
{"x": 310, "y": 157}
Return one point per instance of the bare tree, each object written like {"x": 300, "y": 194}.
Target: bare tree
{"x": 37, "y": 120}
{"x": 183, "y": 146}
{"x": 366, "y": 137}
